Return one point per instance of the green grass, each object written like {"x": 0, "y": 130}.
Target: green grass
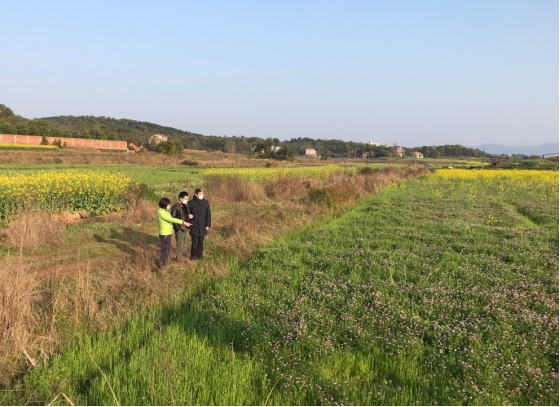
{"x": 420, "y": 295}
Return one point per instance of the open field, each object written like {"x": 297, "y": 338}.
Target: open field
{"x": 442, "y": 290}
{"x": 58, "y": 281}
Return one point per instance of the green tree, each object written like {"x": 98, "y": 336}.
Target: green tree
{"x": 173, "y": 146}
{"x": 7, "y": 128}
{"x": 5, "y": 112}
{"x": 286, "y": 152}
{"x": 22, "y": 128}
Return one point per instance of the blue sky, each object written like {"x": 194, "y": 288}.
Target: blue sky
{"x": 416, "y": 72}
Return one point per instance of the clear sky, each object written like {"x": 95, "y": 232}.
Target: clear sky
{"x": 416, "y": 72}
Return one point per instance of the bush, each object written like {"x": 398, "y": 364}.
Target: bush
{"x": 189, "y": 162}
{"x": 172, "y": 147}
{"x": 366, "y": 171}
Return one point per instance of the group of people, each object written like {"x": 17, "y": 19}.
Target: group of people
{"x": 192, "y": 217}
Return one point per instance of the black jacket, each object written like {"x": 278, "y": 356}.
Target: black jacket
{"x": 180, "y": 212}
{"x": 200, "y": 209}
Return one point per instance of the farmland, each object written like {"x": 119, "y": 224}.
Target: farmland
{"x": 440, "y": 290}
{"x": 27, "y": 147}
{"x": 97, "y": 192}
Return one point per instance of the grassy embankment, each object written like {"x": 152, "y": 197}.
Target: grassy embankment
{"x": 437, "y": 291}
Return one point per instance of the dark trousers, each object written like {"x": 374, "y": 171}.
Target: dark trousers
{"x": 165, "y": 249}
{"x": 180, "y": 237}
{"x": 197, "y": 246}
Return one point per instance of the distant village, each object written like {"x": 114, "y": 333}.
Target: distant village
{"x": 398, "y": 151}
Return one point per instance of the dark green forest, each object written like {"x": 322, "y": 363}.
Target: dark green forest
{"x": 137, "y": 132}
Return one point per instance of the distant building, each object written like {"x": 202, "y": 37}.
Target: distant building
{"x": 158, "y": 138}
{"x": 371, "y": 143}
{"x": 365, "y": 155}
{"x": 275, "y": 149}
{"x": 398, "y": 151}
{"x": 310, "y": 152}
{"x": 417, "y": 154}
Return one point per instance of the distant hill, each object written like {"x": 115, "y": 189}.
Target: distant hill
{"x": 138, "y": 132}
{"x": 110, "y": 128}
{"x": 546, "y": 148}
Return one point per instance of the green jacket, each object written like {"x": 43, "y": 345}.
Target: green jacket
{"x": 165, "y": 222}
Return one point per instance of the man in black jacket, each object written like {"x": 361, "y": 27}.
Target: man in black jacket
{"x": 201, "y": 221}
{"x": 180, "y": 211}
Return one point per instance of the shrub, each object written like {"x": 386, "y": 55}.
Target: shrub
{"x": 189, "y": 162}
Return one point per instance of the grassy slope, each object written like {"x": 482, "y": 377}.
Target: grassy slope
{"x": 412, "y": 298}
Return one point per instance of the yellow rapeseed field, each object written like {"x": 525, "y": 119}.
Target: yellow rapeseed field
{"x": 263, "y": 174}
{"x": 26, "y": 147}
{"x": 539, "y": 185}
{"x": 98, "y": 192}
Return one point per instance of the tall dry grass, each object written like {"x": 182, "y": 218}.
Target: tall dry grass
{"x": 233, "y": 190}
{"x": 290, "y": 187}
{"x": 31, "y": 229}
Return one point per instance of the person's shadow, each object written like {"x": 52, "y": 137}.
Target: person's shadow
{"x": 129, "y": 240}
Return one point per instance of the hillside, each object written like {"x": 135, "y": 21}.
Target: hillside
{"x": 138, "y": 132}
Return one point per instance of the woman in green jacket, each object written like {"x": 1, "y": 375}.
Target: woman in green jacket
{"x": 165, "y": 222}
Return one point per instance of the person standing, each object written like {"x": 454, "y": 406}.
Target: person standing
{"x": 201, "y": 222}
{"x": 180, "y": 211}
{"x": 165, "y": 223}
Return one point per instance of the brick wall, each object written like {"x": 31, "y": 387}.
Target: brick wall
{"x": 70, "y": 142}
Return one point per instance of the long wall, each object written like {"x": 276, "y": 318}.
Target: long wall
{"x": 70, "y": 142}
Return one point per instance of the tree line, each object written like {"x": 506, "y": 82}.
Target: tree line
{"x": 137, "y": 132}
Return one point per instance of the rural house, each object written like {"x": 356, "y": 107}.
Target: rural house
{"x": 398, "y": 151}
{"x": 157, "y": 138}
{"x": 417, "y": 154}
{"x": 310, "y": 152}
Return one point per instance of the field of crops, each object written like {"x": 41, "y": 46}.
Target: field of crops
{"x": 26, "y": 147}
{"x": 442, "y": 290}
{"x": 263, "y": 174}
{"x": 97, "y": 192}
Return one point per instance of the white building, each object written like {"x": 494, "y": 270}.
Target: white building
{"x": 157, "y": 138}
